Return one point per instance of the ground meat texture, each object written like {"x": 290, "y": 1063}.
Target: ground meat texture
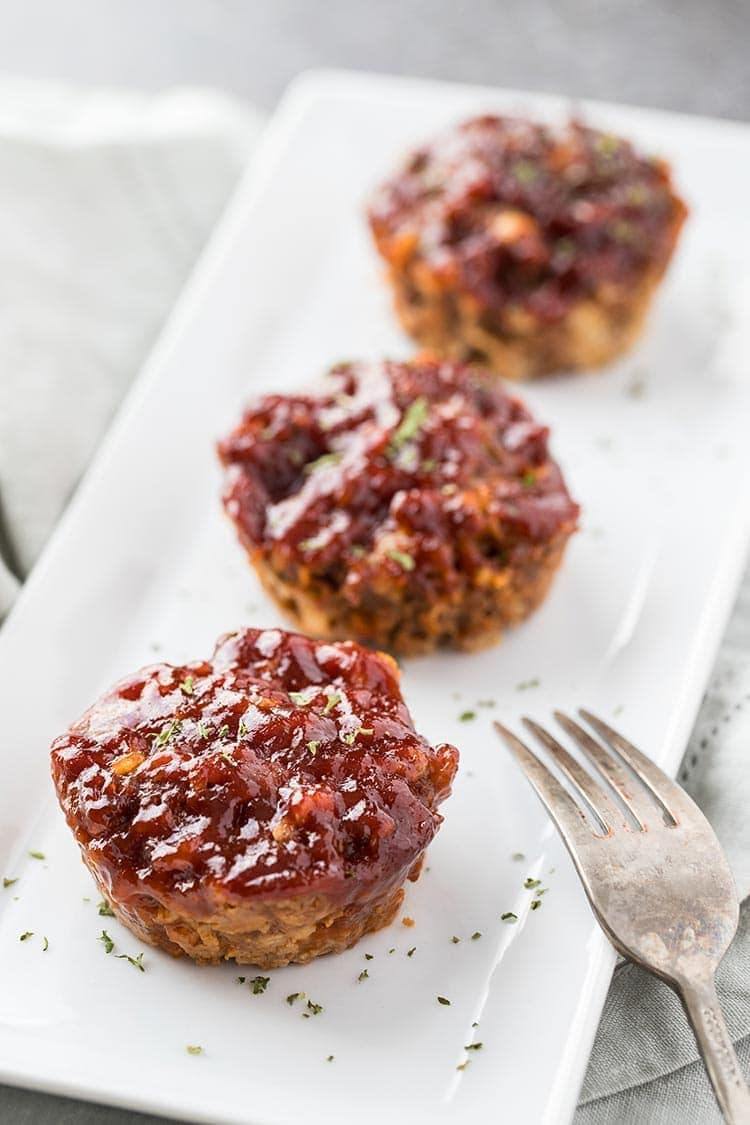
{"x": 409, "y": 505}
{"x": 529, "y": 248}
{"x": 266, "y": 805}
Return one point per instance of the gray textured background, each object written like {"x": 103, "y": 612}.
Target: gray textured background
{"x": 679, "y": 54}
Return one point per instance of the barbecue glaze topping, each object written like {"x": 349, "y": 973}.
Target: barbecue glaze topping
{"x": 422, "y": 469}
{"x": 524, "y": 216}
{"x": 282, "y": 765}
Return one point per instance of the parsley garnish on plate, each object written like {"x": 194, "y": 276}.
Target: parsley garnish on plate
{"x": 105, "y": 910}
{"x": 187, "y": 686}
{"x": 109, "y": 945}
{"x": 476, "y": 935}
{"x": 363, "y": 975}
{"x": 194, "y": 1050}
{"x": 530, "y": 883}
{"x": 259, "y": 984}
{"x": 442, "y": 1000}
{"x": 45, "y": 945}
{"x": 295, "y": 996}
{"x": 136, "y": 962}
{"x": 313, "y": 1009}
{"x": 9, "y": 882}
{"x": 508, "y": 916}
{"x": 37, "y": 855}
{"x": 467, "y": 716}
{"x": 25, "y": 936}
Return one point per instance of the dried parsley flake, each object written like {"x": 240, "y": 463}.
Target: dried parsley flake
{"x": 411, "y": 423}
{"x": 404, "y": 560}
{"x": 333, "y": 701}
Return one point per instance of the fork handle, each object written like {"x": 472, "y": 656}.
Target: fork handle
{"x": 702, "y": 1007}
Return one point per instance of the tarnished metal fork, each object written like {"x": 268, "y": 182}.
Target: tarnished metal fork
{"x": 654, "y": 872}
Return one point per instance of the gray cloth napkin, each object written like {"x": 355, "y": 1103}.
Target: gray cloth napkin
{"x": 105, "y": 202}
{"x": 644, "y": 1067}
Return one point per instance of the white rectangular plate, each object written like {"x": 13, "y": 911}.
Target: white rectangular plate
{"x": 144, "y": 562}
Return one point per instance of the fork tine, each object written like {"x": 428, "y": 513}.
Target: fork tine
{"x": 663, "y": 789}
{"x": 640, "y": 809}
{"x": 594, "y": 796}
{"x": 565, "y": 813}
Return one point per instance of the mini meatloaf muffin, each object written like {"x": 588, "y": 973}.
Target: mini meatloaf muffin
{"x": 409, "y": 505}
{"x": 266, "y": 805}
{"x": 528, "y": 248}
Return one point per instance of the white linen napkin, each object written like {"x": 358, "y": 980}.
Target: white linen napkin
{"x": 105, "y": 201}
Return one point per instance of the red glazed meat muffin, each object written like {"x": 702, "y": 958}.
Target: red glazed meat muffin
{"x": 528, "y": 248}
{"x": 410, "y": 505}
{"x": 266, "y": 805}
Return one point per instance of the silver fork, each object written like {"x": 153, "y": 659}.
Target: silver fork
{"x": 654, "y": 873}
